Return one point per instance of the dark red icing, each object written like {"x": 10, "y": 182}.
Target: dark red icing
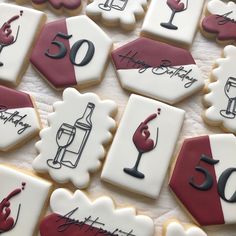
{"x": 13, "y": 99}
{"x": 150, "y": 53}
{"x": 59, "y": 72}
{"x": 224, "y": 27}
{"x": 57, "y": 4}
{"x": 51, "y": 226}
{"x": 177, "y": 5}
{"x": 204, "y": 206}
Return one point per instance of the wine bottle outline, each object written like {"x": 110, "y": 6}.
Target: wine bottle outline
{"x": 175, "y": 6}
{"x": 108, "y": 5}
{"x": 143, "y": 143}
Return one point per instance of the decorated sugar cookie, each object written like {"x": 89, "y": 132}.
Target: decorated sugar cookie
{"x": 220, "y": 21}
{"x": 22, "y": 200}
{"x": 71, "y": 52}
{"x": 220, "y": 99}
{"x": 75, "y": 214}
{"x": 72, "y": 146}
{"x": 117, "y": 12}
{"x": 174, "y": 228}
{"x": 166, "y": 19}
{"x": 19, "y": 120}
{"x": 203, "y": 178}
{"x": 141, "y": 151}
{"x": 71, "y": 7}
{"x": 157, "y": 70}
{"x": 16, "y": 40}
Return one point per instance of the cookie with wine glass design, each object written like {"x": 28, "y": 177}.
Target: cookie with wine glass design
{"x": 143, "y": 146}
{"x": 203, "y": 178}
{"x": 19, "y": 120}
{"x": 72, "y": 146}
{"x": 123, "y": 13}
{"x": 71, "y": 7}
{"x": 75, "y": 214}
{"x": 157, "y": 70}
{"x": 71, "y": 52}
{"x": 174, "y": 228}
{"x": 16, "y": 40}
{"x": 220, "y": 98}
{"x": 22, "y": 200}
{"x": 166, "y": 20}
{"x": 220, "y": 21}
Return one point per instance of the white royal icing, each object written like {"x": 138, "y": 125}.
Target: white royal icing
{"x": 33, "y": 190}
{"x": 77, "y": 143}
{"x": 124, "y": 12}
{"x": 220, "y": 8}
{"x": 176, "y": 229}
{"x": 159, "y": 12}
{"x": 127, "y": 146}
{"x": 221, "y": 99}
{"x": 103, "y": 208}
{"x": 16, "y": 47}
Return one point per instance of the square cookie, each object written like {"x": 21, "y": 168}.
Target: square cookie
{"x": 143, "y": 146}
{"x": 166, "y": 19}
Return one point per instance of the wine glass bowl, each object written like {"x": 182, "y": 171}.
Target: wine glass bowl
{"x": 176, "y": 5}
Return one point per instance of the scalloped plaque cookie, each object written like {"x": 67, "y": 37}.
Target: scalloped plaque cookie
{"x": 143, "y": 146}
{"x": 75, "y": 214}
{"x": 220, "y": 21}
{"x": 72, "y": 146}
{"x": 19, "y": 120}
{"x": 71, "y": 52}
{"x": 221, "y": 97}
{"x": 22, "y": 200}
{"x": 166, "y": 19}
{"x": 117, "y": 12}
{"x": 16, "y": 40}
{"x": 203, "y": 178}
{"x": 157, "y": 70}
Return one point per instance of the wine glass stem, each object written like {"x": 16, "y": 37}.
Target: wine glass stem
{"x": 229, "y": 106}
{"x": 138, "y": 161}
{"x": 172, "y": 17}
{"x": 57, "y": 155}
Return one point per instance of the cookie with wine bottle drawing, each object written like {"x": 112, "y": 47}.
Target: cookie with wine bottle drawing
{"x": 123, "y": 13}
{"x": 174, "y": 227}
{"x": 71, "y": 7}
{"x": 143, "y": 65}
{"x": 71, "y": 52}
{"x": 203, "y": 179}
{"x": 166, "y": 21}
{"x": 70, "y": 211}
{"x": 19, "y": 119}
{"x": 73, "y": 145}
{"x": 220, "y": 97}
{"x": 23, "y": 198}
{"x": 141, "y": 151}
{"x": 16, "y": 40}
{"x": 219, "y": 21}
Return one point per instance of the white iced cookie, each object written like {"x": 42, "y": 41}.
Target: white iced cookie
{"x": 16, "y": 40}
{"x": 221, "y": 97}
{"x": 174, "y": 228}
{"x": 71, "y": 52}
{"x": 117, "y": 12}
{"x": 19, "y": 120}
{"x": 157, "y": 70}
{"x": 166, "y": 19}
{"x": 72, "y": 146}
{"x": 143, "y": 146}
{"x": 75, "y": 214}
{"x": 22, "y": 199}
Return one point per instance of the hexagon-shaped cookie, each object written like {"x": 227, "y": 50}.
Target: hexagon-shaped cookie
{"x": 71, "y": 52}
{"x": 18, "y": 118}
{"x": 157, "y": 70}
{"x": 204, "y": 178}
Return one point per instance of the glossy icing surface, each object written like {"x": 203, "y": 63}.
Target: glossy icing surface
{"x": 78, "y": 129}
{"x": 57, "y": 4}
{"x": 140, "y": 143}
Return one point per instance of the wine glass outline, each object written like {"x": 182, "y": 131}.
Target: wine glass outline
{"x": 170, "y": 3}
{"x": 107, "y": 5}
{"x": 231, "y": 101}
{"x": 54, "y": 163}
{"x": 142, "y": 130}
